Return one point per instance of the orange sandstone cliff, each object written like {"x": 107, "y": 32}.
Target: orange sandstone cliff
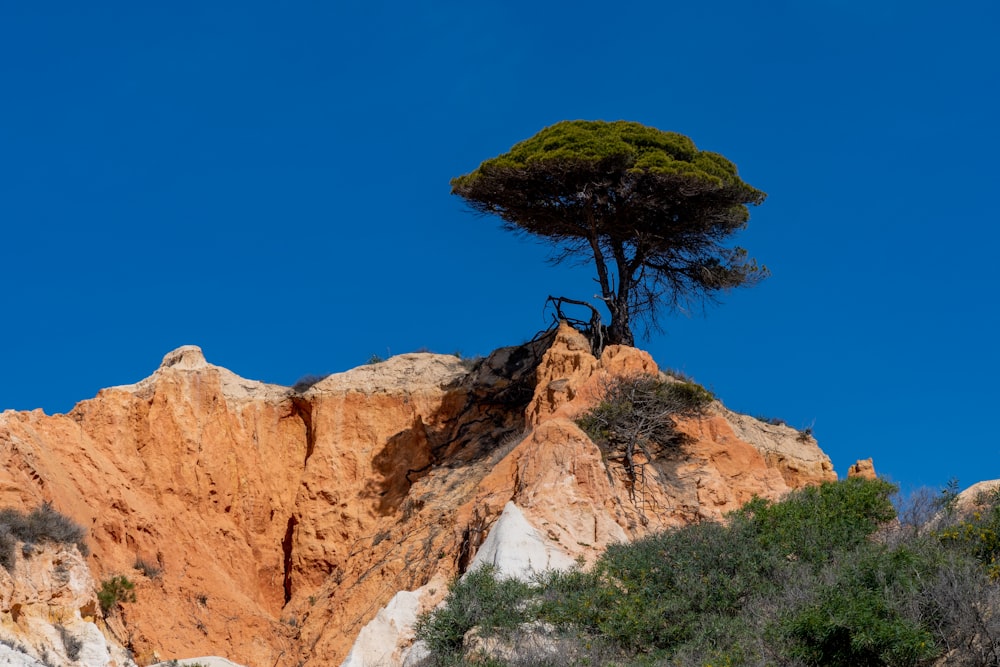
{"x": 282, "y": 520}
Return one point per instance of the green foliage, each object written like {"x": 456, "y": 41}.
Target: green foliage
{"x": 858, "y": 618}
{"x": 480, "y": 599}
{"x": 639, "y": 148}
{"x": 815, "y": 523}
{"x": 978, "y": 533}
{"x": 114, "y": 591}
{"x": 8, "y": 543}
{"x": 41, "y": 525}
{"x": 691, "y": 396}
{"x": 659, "y": 591}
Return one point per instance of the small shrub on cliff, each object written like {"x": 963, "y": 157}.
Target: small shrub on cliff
{"x": 114, "y": 591}
{"x": 151, "y": 570}
{"x": 636, "y": 414}
{"x": 307, "y": 381}
{"x": 41, "y": 525}
{"x": 637, "y": 410}
{"x": 773, "y": 421}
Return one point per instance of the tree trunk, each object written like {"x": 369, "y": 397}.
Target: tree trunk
{"x": 619, "y": 330}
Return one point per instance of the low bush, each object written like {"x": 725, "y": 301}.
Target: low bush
{"x": 858, "y": 614}
{"x": 114, "y": 592}
{"x": 816, "y": 523}
{"x": 39, "y": 526}
{"x": 978, "y": 533}
{"x": 658, "y": 592}
{"x": 479, "y": 599}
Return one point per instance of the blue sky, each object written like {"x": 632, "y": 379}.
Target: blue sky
{"x": 272, "y": 183}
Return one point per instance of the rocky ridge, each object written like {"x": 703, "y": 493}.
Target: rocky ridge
{"x": 284, "y": 521}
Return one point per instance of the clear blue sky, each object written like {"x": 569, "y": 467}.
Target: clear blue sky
{"x": 270, "y": 181}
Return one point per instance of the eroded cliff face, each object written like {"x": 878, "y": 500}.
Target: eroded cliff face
{"x": 282, "y": 521}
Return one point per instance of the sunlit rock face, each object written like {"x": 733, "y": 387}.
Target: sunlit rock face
{"x": 280, "y": 521}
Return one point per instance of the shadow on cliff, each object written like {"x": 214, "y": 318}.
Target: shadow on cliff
{"x": 480, "y": 410}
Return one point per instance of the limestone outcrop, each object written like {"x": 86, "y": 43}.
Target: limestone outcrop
{"x": 49, "y": 613}
{"x": 271, "y": 524}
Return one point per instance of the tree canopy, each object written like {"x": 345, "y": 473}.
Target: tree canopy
{"x": 652, "y": 211}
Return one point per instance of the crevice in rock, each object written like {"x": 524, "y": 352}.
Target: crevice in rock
{"x": 303, "y": 408}
{"x": 286, "y": 549}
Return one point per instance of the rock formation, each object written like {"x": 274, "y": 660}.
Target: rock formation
{"x": 49, "y": 609}
{"x": 271, "y": 524}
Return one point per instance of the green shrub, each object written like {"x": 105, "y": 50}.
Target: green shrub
{"x": 678, "y": 374}
{"x": 859, "y": 617}
{"x": 815, "y": 523}
{"x": 480, "y": 598}
{"x": 114, "y": 591}
{"x": 658, "y": 591}
{"x": 978, "y": 533}
{"x": 688, "y": 589}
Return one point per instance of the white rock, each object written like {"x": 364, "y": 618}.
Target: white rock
{"x": 417, "y": 655}
{"x": 517, "y": 550}
{"x": 15, "y": 658}
{"x": 378, "y": 642}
